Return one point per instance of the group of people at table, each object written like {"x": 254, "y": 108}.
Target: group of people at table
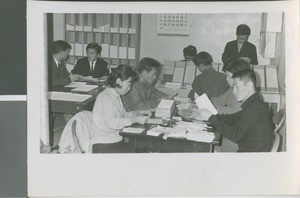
{"x": 129, "y": 96}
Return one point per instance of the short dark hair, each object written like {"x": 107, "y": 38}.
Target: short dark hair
{"x": 147, "y": 64}
{"x": 123, "y": 72}
{"x": 246, "y": 75}
{"x": 94, "y": 46}
{"x": 190, "y": 51}
{"x": 233, "y": 65}
{"x": 203, "y": 58}
{"x": 243, "y": 29}
{"x": 60, "y": 45}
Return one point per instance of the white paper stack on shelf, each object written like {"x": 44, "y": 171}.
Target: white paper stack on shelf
{"x": 75, "y": 84}
{"x": 87, "y": 28}
{"x": 204, "y": 102}
{"x": 173, "y": 85}
{"x": 78, "y": 28}
{"x": 65, "y": 96}
{"x": 165, "y": 108}
{"x": 131, "y": 31}
{"x": 70, "y": 27}
{"x": 200, "y": 136}
{"x": 132, "y": 130}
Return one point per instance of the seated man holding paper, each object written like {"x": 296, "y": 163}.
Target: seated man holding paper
{"x": 252, "y": 127}
{"x": 91, "y": 67}
{"x": 143, "y": 95}
{"x": 210, "y": 81}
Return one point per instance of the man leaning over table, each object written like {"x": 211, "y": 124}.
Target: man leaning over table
{"x": 252, "y": 127}
{"x": 58, "y": 73}
{"x": 143, "y": 95}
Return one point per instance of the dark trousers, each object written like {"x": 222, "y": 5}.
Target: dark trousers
{"x": 119, "y": 147}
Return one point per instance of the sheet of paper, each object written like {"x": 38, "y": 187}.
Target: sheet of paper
{"x": 189, "y": 75}
{"x": 200, "y": 136}
{"x": 113, "y": 51}
{"x": 164, "y": 103}
{"x": 178, "y": 74}
{"x": 105, "y": 50}
{"x": 271, "y": 75}
{"x": 76, "y": 84}
{"x": 85, "y": 88}
{"x": 204, "y": 102}
{"x": 131, "y": 53}
{"x": 78, "y": 49}
{"x": 72, "y": 49}
{"x": 122, "y": 52}
{"x": 274, "y": 22}
{"x": 270, "y": 45}
{"x": 260, "y": 76}
{"x": 154, "y": 132}
{"x": 66, "y": 96}
{"x": 154, "y": 121}
{"x": 70, "y": 27}
{"x": 132, "y": 130}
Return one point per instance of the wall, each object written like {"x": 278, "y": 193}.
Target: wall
{"x": 58, "y": 27}
{"x": 208, "y": 32}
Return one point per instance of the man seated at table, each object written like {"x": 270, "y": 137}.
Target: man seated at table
{"x": 58, "y": 73}
{"x": 143, "y": 95}
{"x": 210, "y": 81}
{"x": 252, "y": 127}
{"x": 91, "y": 66}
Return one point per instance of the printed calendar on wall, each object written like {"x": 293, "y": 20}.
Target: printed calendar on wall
{"x": 173, "y": 24}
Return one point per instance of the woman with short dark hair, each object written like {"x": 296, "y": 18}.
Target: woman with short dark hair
{"x": 109, "y": 114}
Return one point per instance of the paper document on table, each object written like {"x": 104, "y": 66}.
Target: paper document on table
{"x": 204, "y": 102}
{"x": 154, "y": 132}
{"x": 200, "y": 136}
{"x": 132, "y": 130}
{"x": 85, "y": 88}
{"x": 154, "y": 121}
{"x": 75, "y": 84}
{"x": 63, "y": 96}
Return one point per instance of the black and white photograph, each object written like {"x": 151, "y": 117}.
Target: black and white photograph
{"x": 170, "y": 99}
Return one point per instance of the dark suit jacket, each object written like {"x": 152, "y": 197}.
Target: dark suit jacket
{"x": 247, "y": 50}
{"x": 82, "y": 67}
{"x": 58, "y": 76}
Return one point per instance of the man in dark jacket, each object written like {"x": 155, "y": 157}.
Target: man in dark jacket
{"x": 241, "y": 48}
{"x": 92, "y": 65}
{"x": 252, "y": 127}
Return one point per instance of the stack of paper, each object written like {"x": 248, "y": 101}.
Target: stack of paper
{"x": 165, "y": 108}
{"x": 65, "y": 96}
{"x": 132, "y": 130}
{"x": 85, "y": 88}
{"x": 154, "y": 121}
{"x": 200, "y": 136}
{"x": 173, "y": 85}
{"x": 75, "y": 84}
{"x": 191, "y": 125}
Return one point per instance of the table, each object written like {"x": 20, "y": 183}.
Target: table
{"x": 141, "y": 142}
{"x": 68, "y": 107}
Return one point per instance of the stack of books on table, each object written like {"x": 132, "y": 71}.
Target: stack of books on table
{"x": 165, "y": 108}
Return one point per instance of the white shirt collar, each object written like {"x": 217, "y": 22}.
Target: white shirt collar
{"x": 56, "y": 61}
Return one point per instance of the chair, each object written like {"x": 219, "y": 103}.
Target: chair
{"x": 75, "y": 137}
{"x": 278, "y": 120}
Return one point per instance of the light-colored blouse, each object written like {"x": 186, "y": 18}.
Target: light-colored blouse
{"x": 109, "y": 117}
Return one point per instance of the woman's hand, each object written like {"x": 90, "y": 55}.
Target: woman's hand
{"x": 140, "y": 119}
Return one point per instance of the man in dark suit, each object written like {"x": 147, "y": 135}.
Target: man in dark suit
{"x": 58, "y": 74}
{"x": 241, "y": 48}
{"x": 92, "y": 65}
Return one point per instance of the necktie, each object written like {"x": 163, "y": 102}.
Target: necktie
{"x": 92, "y": 66}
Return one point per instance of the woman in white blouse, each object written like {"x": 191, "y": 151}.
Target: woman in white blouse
{"x": 109, "y": 115}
